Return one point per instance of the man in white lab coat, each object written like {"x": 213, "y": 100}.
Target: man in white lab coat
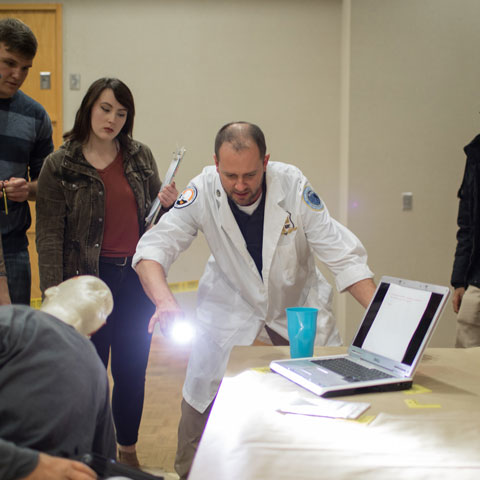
{"x": 264, "y": 225}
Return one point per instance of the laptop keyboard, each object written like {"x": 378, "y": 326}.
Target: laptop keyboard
{"x": 350, "y": 371}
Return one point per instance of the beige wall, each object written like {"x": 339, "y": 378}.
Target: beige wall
{"x": 371, "y": 98}
{"x": 195, "y": 65}
{"x": 414, "y": 103}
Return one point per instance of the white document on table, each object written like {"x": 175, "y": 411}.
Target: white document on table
{"x": 324, "y": 408}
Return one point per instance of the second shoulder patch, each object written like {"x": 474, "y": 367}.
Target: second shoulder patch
{"x": 312, "y": 199}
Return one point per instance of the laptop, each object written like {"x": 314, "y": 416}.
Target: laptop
{"x": 386, "y": 349}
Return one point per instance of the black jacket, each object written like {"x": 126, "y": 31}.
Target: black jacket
{"x": 467, "y": 261}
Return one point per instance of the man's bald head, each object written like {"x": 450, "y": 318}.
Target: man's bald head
{"x": 240, "y": 136}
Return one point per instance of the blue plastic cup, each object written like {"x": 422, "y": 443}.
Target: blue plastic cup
{"x": 302, "y": 328}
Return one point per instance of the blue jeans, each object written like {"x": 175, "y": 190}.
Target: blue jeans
{"x": 125, "y": 339}
{"x": 19, "y": 277}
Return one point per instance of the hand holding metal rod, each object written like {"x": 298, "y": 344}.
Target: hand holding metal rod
{"x": 4, "y": 194}
{"x": 172, "y": 170}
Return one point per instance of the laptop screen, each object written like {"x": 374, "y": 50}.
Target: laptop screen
{"x": 403, "y": 316}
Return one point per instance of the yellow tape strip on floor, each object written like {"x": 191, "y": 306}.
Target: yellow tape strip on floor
{"x": 36, "y": 303}
{"x": 178, "y": 287}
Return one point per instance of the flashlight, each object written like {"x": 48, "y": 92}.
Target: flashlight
{"x": 182, "y": 331}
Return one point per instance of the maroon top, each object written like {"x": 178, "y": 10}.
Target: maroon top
{"x": 121, "y": 230}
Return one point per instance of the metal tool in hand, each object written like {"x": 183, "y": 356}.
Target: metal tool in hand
{"x": 5, "y": 199}
{"x": 172, "y": 169}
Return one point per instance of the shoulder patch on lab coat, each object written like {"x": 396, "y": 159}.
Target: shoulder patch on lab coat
{"x": 186, "y": 198}
{"x": 312, "y": 199}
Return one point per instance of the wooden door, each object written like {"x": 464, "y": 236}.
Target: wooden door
{"x": 45, "y": 20}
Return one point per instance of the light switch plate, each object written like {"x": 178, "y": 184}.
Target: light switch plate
{"x": 74, "y": 81}
{"x": 407, "y": 201}
{"x": 45, "y": 81}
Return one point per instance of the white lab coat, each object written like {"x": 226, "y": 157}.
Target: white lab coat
{"x": 234, "y": 302}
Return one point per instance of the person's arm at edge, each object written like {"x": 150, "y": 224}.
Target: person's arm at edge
{"x": 16, "y": 461}
{"x": 363, "y": 291}
{"x": 55, "y": 468}
{"x": 153, "y": 279}
{"x": 464, "y": 247}
{"x": 25, "y": 463}
{"x": 32, "y": 190}
{"x": 458, "y": 294}
{"x": 42, "y": 149}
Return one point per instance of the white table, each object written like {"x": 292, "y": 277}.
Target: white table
{"x": 433, "y": 434}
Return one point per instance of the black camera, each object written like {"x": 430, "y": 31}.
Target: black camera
{"x": 107, "y": 467}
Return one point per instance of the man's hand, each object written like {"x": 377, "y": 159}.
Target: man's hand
{"x": 19, "y": 190}
{"x": 154, "y": 282}
{"x": 165, "y": 315}
{"x": 55, "y": 468}
{"x": 457, "y": 298}
{"x": 168, "y": 195}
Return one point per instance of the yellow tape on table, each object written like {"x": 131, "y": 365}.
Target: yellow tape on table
{"x": 365, "y": 419}
{"x": 261, "y": 369}
{"x": 411, "y": 403}
{"x": 417, "y": 389}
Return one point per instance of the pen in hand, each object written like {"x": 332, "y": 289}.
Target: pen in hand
{"x": 5, "y": 199}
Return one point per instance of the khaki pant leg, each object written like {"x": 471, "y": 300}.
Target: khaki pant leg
{"x": 190, "y": 430}
{"x": 468, "y": 319}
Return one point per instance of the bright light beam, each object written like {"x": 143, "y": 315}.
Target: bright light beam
{"x": 182, "y": 332}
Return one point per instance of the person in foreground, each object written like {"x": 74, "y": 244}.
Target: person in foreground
{"x": 54, "y": 398}
{"x": 264, "y": 224}
{"x": 93, "y": 196}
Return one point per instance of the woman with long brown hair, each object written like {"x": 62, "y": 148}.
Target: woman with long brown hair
{"x": 93, "y": 196}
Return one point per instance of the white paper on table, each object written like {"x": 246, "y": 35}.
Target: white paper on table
{"x": 324, "y": 408}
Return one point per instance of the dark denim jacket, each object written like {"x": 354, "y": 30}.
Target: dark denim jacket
{"x": 71, "y": 207}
